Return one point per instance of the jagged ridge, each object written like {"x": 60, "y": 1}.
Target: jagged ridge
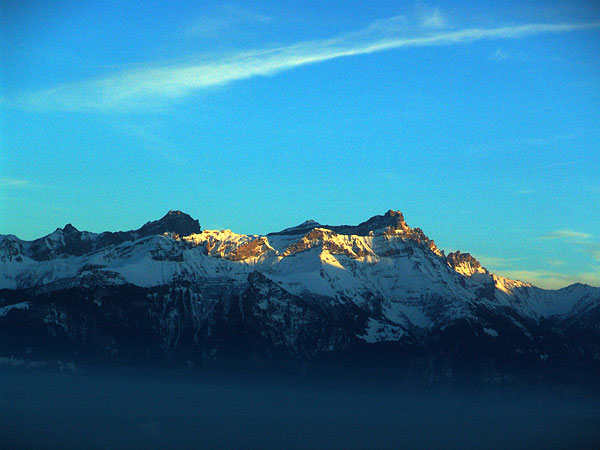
{"x": 293, "y": 295}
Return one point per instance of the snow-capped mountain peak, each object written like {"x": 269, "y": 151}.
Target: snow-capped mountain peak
{"x": 174, "y": 221}
{"x": 382, "y": 255}
{"x": 69, "y": 229}
{"x": 464, "y": 263}
{"x": 307, "y": 289}
{"x": 302, "y": 228}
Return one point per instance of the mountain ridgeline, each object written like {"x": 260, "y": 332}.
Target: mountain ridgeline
{"x": 378, "y": 299}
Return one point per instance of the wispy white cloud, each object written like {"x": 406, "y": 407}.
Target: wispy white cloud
{"x": 549, "y": 279}
{"x": 242, "y": 13}
{"x": 567, "y": 234}
{"x": 553, "y": 278}
{"x": 500, "y": 55}
{"x": 431, "y": 17}
{"x": 153, "y": 87}
{"x": 558, "y": 274}
{"x": 583, "y": 242}
{"x": 561, "y": 164}
{"x": 223, "y": 19}
{"x": 526, "y": 191}
{"x": 206, "y": 26}
{"x": 14, "y": 183}
{"x": 591, "y": 248}
{"x": 492, "y": 262}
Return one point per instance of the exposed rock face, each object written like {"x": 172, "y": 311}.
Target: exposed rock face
{"x": 173, "y": 222}
{"x": 464, "y": 263}
{"x": 11, "y": 249}
{"x": 303, "y": 228}
{"x": 69, "y": 229}
{"x": 253, "y": 249}
{"x": 393, "y": 220}
{"x": 70, "y": 241}
{"x": 329, "y": 241}
{"x": 379, "y": 294}
{"x": 391, "y": 223}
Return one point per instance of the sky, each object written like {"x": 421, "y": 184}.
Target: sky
{"x": 480, "y": 122}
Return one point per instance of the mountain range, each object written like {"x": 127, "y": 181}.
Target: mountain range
{"x": 378, "y": 298}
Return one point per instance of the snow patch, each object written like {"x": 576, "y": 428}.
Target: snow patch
{"x": 5, "y": 309}
{"x": 490, "y": 332}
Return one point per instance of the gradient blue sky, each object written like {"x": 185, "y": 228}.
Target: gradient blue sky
{"x": 481, "y": 122}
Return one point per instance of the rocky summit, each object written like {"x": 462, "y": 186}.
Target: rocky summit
{"x": 378, "y": 298}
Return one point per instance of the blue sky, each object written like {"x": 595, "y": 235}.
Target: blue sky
{"x": 481, "y": 122}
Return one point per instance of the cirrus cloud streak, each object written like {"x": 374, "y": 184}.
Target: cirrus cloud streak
{"x": 155, "y": 86}
{"x": 567, "y": 234}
